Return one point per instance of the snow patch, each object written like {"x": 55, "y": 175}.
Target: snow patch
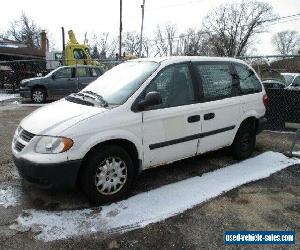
{"x": 9, "y": 196}
{"x": 4, "y": 97}
{"x": 152, "y": 206}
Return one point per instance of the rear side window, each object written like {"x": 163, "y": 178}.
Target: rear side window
{"x": 82, "y": 72}
{"x": 248, "y": 80}
{"x": 216, "y": 80}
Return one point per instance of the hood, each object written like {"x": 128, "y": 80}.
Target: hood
{"x": 56, "y": 117}
{"x": 33, "y": 79}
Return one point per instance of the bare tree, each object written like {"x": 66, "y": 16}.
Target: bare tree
{"x": 286, "y": 42}
{"x": 131, "y": 43}
{"x": 160, "y": 43}
{"x": 233, "y": 27}
{"x": 165, "y": 39}
{"x": 106, "y": 45}
{"x": 25, "y": 31}
{"x": 146, "y": 47}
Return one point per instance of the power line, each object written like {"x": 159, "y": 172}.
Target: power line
{"x": 279, "y": 18}
{"x": 174, "y": 5}
{"x": 269, "y": 20}
{"x": 295, "y": 19}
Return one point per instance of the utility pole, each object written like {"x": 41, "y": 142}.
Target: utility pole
{"x": 120, "y": 41}
{"x": 63, "y": 44}
{"x": 142, "y": 27}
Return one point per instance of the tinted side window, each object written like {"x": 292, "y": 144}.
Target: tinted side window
{"x": 248, "y": 81}
{"x": 175, "y": 86}
{"x": 82, "y": 72}
{"x": 64, "y": 73}
{"x": 216, "y": 81}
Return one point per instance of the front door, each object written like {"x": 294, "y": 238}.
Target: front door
{"x": 63, "y": 82}
{"x": 169, "y": 128}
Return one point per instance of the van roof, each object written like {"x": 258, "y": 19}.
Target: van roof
{"x": 173, "y": 59}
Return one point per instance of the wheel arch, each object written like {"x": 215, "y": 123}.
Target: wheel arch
{"x": 126, "y": 144}
{"x": 39, "y": 86}
{"x": 250, "y": 118}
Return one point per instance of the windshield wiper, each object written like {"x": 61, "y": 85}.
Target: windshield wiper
{"x": 96, "y": 96}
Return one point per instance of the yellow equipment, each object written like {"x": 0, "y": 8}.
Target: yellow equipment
{"x": 76, "y": 53}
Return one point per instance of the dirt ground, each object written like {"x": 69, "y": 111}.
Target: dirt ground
{"x": 268, "y": 204}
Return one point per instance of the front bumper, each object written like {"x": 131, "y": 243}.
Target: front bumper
{"x": 51, "y": 175}
{"x": 25, "y": 92}
{"x": 261, "y": 124}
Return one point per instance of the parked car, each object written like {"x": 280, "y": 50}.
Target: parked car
{"x": 140, "y": 114}
{"x": 292, "y": 79}
{"x": 59, "y": 82}
{"x": 295, "y": 83}
{"x": 273, "y": 84}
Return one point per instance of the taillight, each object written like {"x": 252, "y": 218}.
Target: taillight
{"x": 266, "y": 101}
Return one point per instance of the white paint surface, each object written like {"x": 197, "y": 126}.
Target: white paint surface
{"x": 9, "y": 196}
{"x": 153, "y": 206}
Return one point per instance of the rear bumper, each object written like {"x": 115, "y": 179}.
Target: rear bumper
{"x": 261, "y": 124}
{"x": 50, "y": 176}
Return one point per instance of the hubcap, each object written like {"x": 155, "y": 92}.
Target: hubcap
{"x": 37, "y": 96}
{"x": 111, "y": 176}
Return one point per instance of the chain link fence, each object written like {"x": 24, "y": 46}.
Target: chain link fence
{"x": 281, "y": 77}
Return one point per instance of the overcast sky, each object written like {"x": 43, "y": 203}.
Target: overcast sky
{"x": 97, "y": 16}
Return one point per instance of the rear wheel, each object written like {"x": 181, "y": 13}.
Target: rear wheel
{"x": 38, "y": 95}
{"x": 244, "y": 142}
{"x": 107, "y": 174}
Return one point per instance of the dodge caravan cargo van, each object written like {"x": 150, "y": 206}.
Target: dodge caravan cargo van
{"x": 140, "y": 114}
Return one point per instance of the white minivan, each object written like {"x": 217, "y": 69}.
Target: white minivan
{"x": 140, "y": 114}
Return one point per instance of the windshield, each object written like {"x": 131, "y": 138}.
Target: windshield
{"x": 118, "y": 84}
{"x": 288, "y": 79}
{"x": 54, "y": 71}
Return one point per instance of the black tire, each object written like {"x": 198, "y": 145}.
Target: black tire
{"x": 38, "y": 95}
{"x": 244, "y": 141}
{"x": 91, "y": 167}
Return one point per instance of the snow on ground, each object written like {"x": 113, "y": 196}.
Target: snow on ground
{"x": 296, "y": 153}
{"x": 152, "y": 206}
{"x": 9, "y": 196}
{"x": 4, "y": 97}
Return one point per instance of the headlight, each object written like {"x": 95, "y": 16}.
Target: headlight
{"x": 53, "y": 145}
{"x": 23, "y": 83}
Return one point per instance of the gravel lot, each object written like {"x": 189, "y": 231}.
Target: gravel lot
{"x": 268, "y": 204}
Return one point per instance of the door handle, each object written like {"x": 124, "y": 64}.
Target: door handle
{"x": 209, "y": 116}
{"x": 194, "y": 118}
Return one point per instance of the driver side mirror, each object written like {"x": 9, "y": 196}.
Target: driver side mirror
{"x": 152, "y": 98}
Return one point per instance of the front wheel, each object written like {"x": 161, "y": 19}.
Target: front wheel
{"x": 38, "y": 95}
{"x": 107, "y": 174}
{"x": 244, "y": 141}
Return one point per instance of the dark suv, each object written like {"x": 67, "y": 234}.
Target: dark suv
{"x": 59, "y": 82}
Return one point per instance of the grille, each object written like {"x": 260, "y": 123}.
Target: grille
{"x": 26, "y": 136}
{"x": 19, "y": 146}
